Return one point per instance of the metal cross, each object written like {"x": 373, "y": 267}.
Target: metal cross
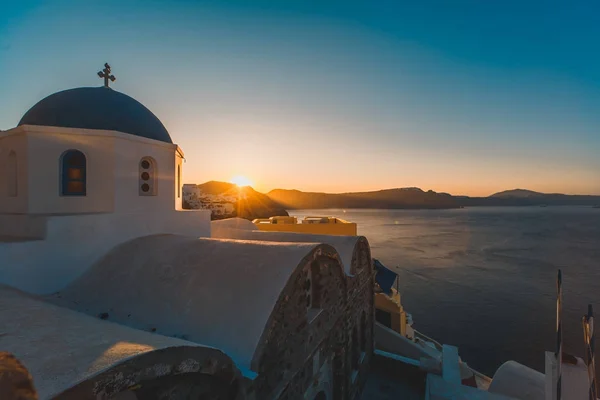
{"x": 105, "y": 73}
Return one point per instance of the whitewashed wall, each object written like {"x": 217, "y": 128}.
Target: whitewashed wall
{"x": 45, "y": 148}
{"x": 178, "y": 188}
{"x": 129, "y": 150}
{"x": 23, "y": 226}
{"x": 112, "y": 167}
{"x": 73, "y": 243}
{"x": 71, "y": 233}
{"x": 13, "y": 140}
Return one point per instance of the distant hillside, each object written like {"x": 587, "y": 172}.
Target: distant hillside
{"x": 522, "y": 197}
{"x": 517, "y": 193}
{"x": 390, "y": 199}
{"x": 248, "y": 204}
{"x": 216, "y": 187}
{"x": 251, "y": 204}
{"x": 408, "y": 198}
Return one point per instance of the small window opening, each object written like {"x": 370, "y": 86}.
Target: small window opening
{"x": 147, "y": 177}
{"x": 74, "y": 173}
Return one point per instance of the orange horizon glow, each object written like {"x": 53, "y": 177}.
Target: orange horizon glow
{"x": 354, "y": 165}
{"x": 240, "y": 181}
{"x": 334, "y": 115}
{"x": 475, "y": 183}
{"x": 456, "y": 190}
{"x": 322, "y": 175}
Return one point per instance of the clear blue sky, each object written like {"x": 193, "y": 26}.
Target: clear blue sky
{"x": 469, "y": 97}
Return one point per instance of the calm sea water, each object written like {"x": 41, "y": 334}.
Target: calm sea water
{"x": 484, "y": 278}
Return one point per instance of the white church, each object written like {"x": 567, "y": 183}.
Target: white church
{"x": 109, "y": 289}
{"x": 84, "y": 164}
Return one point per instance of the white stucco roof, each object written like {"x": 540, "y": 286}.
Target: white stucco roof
{"x": 215, "y": 292}
{"x": 61, "y": 347}
{"x": 345, "y": 245}
{"x": 232, "y": 223}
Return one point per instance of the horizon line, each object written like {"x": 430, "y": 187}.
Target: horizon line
{"x": 400, "y": 188}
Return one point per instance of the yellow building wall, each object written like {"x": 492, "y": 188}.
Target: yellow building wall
{"x": 340, "y": 229}
{"x": 392, "y": 306}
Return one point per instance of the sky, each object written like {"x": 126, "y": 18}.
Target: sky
{"x": 466, "y": 97}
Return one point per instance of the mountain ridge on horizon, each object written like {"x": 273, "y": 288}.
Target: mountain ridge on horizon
{"x": 504, "y": 193}
{"x": 401, "y": 198}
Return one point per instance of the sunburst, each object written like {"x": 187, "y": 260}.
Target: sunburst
{"x": 241, "y": 181}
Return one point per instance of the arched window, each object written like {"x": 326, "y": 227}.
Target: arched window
{"x": 147, "y": 177}
{"x": 178, "y": 181}
{"x": 11, "y": 175}
{"x": 73, "y": 171}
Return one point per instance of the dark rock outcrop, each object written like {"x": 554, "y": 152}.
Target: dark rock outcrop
{"x": 15, "y": 381}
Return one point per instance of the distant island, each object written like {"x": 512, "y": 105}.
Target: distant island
{"x": 523, "y": 197}
{"x": 227, "y": 200}
{"x": 409, "y": 198}
{"x": 415, "y": 198}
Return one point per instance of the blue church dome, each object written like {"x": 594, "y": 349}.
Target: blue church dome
{"x": 96, "y": 108}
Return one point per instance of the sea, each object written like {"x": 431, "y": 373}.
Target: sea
{"x": 484, "y": 278}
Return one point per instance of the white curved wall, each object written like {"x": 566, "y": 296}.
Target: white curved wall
{"x": 227, "y": 228}
{"x": 217, "y": 292}
{"x": 345, "y": 245}
{"x": 59, "y": 355}
{"x": 519, "y": 381}
{"x": 73, "y": 243}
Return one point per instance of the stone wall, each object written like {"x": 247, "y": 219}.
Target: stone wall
{"x": 324, "y": 343}
{"x": 359, "y": 350}
{"x": 300, "y": 338}
{"x": 359, "y": 317}
{"x": 177, "y": 371}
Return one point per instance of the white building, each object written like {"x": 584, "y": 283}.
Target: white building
{"x": 219, "y": 204}
{"x": 85, "y": 163}
{"x": 109, "y": 288}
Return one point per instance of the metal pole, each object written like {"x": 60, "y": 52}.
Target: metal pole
{"x": 588, "y": 336}
{"x": 558, "y": 352}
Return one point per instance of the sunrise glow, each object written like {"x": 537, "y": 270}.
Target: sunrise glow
{"x": 461, "y": 118}
{"x": 241, "y": 181}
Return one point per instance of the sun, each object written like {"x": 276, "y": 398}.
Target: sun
{"x": 241, "y": 181}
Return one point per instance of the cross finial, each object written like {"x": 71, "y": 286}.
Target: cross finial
{"x": 105, "y": 73}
